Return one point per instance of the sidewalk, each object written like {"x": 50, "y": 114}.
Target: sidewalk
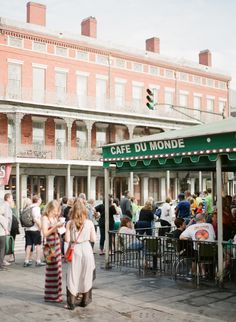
{"x": 117, "y": 296}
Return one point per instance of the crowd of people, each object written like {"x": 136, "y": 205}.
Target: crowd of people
{"x": 76, "y": 220}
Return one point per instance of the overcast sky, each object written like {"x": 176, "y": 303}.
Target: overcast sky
{"x": 184, "y": 27}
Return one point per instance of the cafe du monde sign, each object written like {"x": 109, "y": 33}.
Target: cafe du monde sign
{"x": 161, "y": 146}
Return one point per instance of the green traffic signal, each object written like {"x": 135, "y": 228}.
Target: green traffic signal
{"x": 150, "y": 99}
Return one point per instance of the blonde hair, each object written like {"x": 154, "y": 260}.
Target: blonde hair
{"x": 78, "y": 213}
{"x": 50, "y": 207}
{"x": 148, "y": 205}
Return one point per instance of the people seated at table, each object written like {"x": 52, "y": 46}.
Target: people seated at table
{"x": 146, "y": 218}
{"x": 128, "y": 242}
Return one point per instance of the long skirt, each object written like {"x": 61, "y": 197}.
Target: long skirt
{"x": 53, "y": 278}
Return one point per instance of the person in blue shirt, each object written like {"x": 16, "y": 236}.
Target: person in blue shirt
{"x": 182, "y": 209}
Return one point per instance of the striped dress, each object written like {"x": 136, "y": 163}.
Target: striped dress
{"x": 53, "y": 278}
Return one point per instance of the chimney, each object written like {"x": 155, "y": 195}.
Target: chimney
{"x": 36, "y": 13}
{"x": 153, "y": 45}
{"x": 205, "y": 57}
{"x": 89, "y": 27}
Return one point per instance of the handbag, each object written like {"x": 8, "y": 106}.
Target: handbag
{"x": 70, "y": 250}
{"x": 49, "y": 252}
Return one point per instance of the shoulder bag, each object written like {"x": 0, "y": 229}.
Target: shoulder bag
{"x": 70, "y": 250}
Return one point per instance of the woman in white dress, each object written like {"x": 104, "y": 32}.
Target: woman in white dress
{"x": 80, "y": 271}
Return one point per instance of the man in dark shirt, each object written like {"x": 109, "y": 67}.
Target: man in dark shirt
{"x": 125, "y": 203}
{"x": 182, "y": 209}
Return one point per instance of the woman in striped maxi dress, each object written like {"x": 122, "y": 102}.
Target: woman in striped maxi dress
{"x": 53, "y": 274}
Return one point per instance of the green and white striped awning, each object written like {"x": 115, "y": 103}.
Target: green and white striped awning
{"x": 195, "y": 148}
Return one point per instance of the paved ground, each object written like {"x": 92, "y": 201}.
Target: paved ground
{"x": 117, "y": 296}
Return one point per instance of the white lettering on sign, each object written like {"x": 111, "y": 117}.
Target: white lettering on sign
{"x": 167, "y": 144}
{"x": 120, "y": 149}
{"x": 143, "y": 146}
{"x": 140, "y": 147}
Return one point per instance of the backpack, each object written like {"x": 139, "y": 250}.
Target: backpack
{"x": 10, "y": 244}
{"x": 26, "y": 217}
{"x": 15, "y": 226}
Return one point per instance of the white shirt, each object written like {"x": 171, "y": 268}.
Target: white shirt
{"x": 200, "y": 232}
{"x": 36, "y": 216}
{"x": 166, "y": 212}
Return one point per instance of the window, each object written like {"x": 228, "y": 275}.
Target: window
{"x": 137, "y": 67}
{"x": 183, "y": 77}
{"x": 197, "y": 104}
{"x": 120, "y": 133}
{"x": 119, "y": 94}
{"x": 14, "y": 80}
{"x": 101, "y": 89}
{"x": 61, "y": 78}
{"x": 101, "y": 134}
{"x": 101, "y": 59}
{"x": 60, "y": 139}
{"x": 222, "y": 105}
{"x": 82, "y": 90}
{"x": 169, "y": 97}
{"x": 81, "y": 136}
{"x": 154, "y": 70}
{"x": 15, "y": 42}
{"x": 169, "y": 73}
{"x": 137, "y": 96}
{"x": 39, "y": 46}
{"x": 197, "y": 79}
{"x": 82, "y": 55}
{"x": 61, "y": 51}
{"x": 121, "y": 63}
{"x": 210, "y": 82}
{"x": 210, "y": 104}
{"x": 222, "y": 85}
{"x": 38, "y": 134}
{"x": 38, "y": 84}
{"x": 183, "y": 100}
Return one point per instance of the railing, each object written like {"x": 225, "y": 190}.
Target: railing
{"x": 108, "y": 105}
{"x": 178, "y": 259}
{"x": 53, "y": 152}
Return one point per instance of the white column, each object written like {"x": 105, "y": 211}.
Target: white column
{"x": 69, "y": 123}
{"x": 68, "y": 184}
{"x": 144, "y": 189}
{"x": 71, "y": 186}
{"x": 192, "y": 185}
{"x": 167, "y": 183}
{"x": 163, "y": 189}
{"x": 23, "y": 187}
{"x": 2, "y": 192}
{"x": 17, "y": 139}
{"x": 106, "y": 191}
{"x": 200, "y": 181}
{"x": 89, "y": 183}
{"x": 93, "y": 188}
{"x": 219, "y": 218}
{"x": 17, "y": 188}
{"x": 131, "y": 183}
{"x": 204, "y": 180}
{"x": 50, "y": 188}
{"x": 176, "y": 188}
{"x": 89, "y": 125}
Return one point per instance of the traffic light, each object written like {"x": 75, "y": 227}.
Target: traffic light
{"x": 150, "y": 99}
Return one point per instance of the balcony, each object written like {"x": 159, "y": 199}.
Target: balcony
{"x": 83, "y": 102}
{"x": 57, "y": 152}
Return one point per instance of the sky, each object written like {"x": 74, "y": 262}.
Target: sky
{"x": 185, "y": 27}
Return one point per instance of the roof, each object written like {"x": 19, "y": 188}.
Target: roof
{"x": 195, "y": 148}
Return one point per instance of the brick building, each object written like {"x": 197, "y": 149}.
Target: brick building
{"x": 62, "y": 96}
